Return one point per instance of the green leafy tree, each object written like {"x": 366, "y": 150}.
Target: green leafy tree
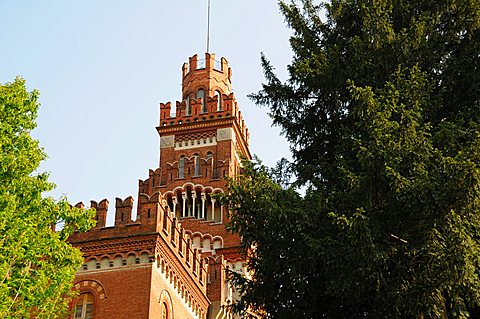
{"x": 382, "y": 110}
{"x": 37, "y": 265}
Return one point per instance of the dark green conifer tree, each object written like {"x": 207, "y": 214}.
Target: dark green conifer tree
{"x": 382, "y": 110}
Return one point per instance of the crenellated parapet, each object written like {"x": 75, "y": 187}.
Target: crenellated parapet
{"x": 191, "y": 112}
{"x": 123, "y": 226}
{"x": 101, "y": 209}
{"x": 155, "y": 234}
{"x": 208, "y": 74}
{"x": 193, "y": 109}
{"x": 156, "y": 178}
{"x": 182, "y": 264}
{"x": 123, "y": 211}
{"x": 181, "y": 245}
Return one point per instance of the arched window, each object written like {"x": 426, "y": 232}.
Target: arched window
{"x": 166, "y": 309}
{"x": 209, "y": 164}
{"x": 84, "y": 307}
{"x": 201, "y": 94}
{"x": 219, "y": 100}
{"x": 181, "y": 167}
{"x": 197, "y": 165}
{"x": 188, "y": 110}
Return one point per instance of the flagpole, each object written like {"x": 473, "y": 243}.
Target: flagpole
{"x": 208, "y": 27}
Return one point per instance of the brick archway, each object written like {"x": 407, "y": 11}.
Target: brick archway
{"x": 91, "y": 286}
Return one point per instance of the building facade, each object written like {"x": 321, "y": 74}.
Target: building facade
{"x": 170, "y": 262}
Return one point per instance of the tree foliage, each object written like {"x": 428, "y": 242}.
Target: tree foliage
{"x": 382, "y": 110}
{"x": 37, "y": 265}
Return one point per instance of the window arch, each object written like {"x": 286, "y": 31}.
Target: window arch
{"x": 219, "y": 100}
{"x": 181, "y": 167}
{"x": 166, "y": 307}
{"x": 84, "y": 306}
{"x": 201, "y": 94}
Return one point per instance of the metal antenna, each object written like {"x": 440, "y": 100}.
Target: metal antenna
{"x": 208, "y": 27}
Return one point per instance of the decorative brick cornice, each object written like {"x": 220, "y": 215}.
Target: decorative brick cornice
{"x": 194, "y": 126}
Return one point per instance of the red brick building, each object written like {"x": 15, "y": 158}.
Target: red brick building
{"x": 170, "y": 261}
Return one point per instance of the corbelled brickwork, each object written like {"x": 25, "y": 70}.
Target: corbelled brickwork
{"x": 171, "y": 260}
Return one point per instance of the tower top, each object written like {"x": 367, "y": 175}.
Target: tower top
{"x": 207, "y": 74}
{"x": 207, "y": 103}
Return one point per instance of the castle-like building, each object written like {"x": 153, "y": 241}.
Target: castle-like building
{"x": 170, "y": 262}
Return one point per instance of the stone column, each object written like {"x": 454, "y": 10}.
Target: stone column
{"x": 194, "y": 196}
{"x": 204, "y": 198}
{"x": 213, "y": 209}
{"x": 184, "y": 196}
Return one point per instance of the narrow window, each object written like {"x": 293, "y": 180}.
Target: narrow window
{"x": 84, "y": 307}
{"x": 197, "y": 165}
{"x": 219, "y": 100}
{"x": 164, "y": 311}
{"x": 201, "y": 94}
{"x": 188, "y": 106}
{"x": 181, "y": 167}
{"x": 209, "y": 157}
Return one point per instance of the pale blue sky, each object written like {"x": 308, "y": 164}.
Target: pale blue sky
{"x": 103, "y": 66}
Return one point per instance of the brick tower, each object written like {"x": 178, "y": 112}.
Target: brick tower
{"x": 170, "y": 262}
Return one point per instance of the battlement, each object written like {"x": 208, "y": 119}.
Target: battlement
{"x": 194, "y": 108}
{"x": 157, "y": 230}
{"x": 181, "y": 243}
{"x": 193, "y": 111}
{"x": 207, "y": 74}
{"x": 209, "y": 63}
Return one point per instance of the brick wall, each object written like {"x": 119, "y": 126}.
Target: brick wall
{"x": 117, "y": 303}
